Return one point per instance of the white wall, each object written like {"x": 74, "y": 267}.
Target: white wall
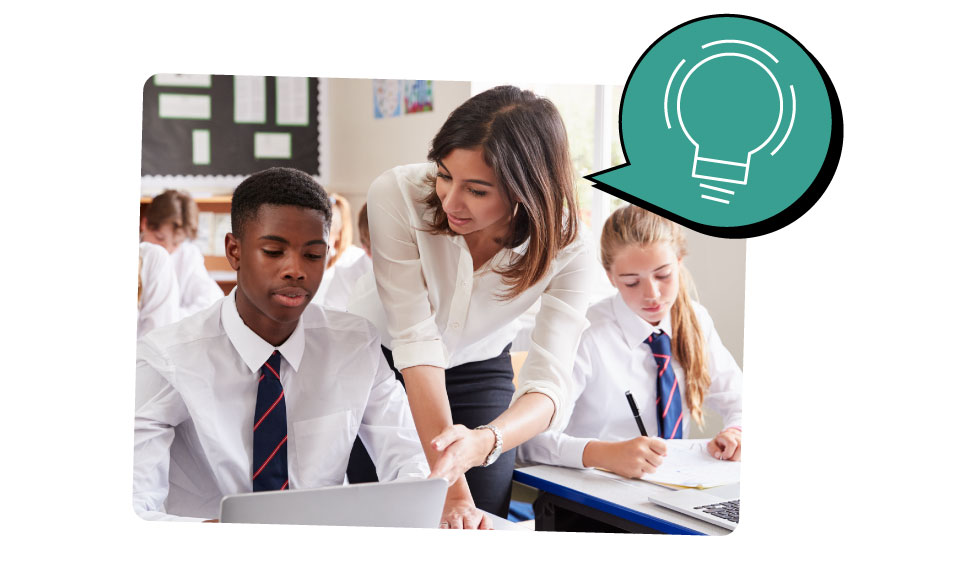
{"x": 717, "y": 266}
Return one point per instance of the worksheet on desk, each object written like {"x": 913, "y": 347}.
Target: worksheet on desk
{"x": 689, "y": 465}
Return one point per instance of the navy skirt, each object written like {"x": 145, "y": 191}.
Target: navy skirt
{"x": 478, "y": 392}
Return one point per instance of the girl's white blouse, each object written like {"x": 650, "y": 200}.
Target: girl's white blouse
{"x": 613, "y": 358}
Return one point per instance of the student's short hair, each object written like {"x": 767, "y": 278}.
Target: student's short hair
{"x": 364, "y": 227}
{"x": 166, "y": 207}
{"x": 281, "y": 186}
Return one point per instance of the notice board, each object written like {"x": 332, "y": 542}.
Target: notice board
{"x": 217, "y": 125}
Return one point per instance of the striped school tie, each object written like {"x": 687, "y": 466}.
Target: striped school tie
{"x": 669, "y": 413}
{"x": 269, "y": 463}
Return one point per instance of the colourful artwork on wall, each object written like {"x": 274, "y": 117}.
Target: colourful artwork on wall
{"x": 387, "y": 98}
{"x": 418, "y": 96}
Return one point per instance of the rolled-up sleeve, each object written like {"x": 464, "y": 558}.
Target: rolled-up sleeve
{"x": 556, "y": 334}
{"x": 415, "y": 337}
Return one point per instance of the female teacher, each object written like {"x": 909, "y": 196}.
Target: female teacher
{"x": 462, "y": 246}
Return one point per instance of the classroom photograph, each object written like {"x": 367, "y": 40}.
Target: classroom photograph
{"x": 399, "y": 303}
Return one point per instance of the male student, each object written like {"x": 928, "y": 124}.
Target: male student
{"x": 264, "y": 391}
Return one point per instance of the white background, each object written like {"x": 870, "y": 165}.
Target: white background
{"x": 853, "y": 386}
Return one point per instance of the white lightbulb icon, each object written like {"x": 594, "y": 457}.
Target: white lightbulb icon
{"x": 727, "y": 157}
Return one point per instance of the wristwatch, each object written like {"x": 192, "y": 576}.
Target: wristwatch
{"x": 497, "y": 447}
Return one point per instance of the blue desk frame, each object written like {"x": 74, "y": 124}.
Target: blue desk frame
{"x": 606, "y": 506}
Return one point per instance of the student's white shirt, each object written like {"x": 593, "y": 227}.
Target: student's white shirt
{"x": 196, "y": 387}
{"x": 613, "y": 358}
{"x": 198, "y": 289}
{"x": 158, "y": 305}
{"x": 440, "y": 312}
{"x": 340, "y": 279}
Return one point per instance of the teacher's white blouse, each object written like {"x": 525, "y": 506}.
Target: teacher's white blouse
{"x": 439, "y": 312}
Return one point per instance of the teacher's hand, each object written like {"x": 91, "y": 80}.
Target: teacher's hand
{"x": 460, "y": 513}
{"x": 459, "y": 450}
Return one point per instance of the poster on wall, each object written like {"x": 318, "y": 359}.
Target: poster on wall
{"x": 387, "y": 98}
{"x": 418, "y": 96}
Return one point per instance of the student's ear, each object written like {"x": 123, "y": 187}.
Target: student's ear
{"x": 143, "y": 224}
{"x": 609, "y": 276}
{"x": 232, "y": 250}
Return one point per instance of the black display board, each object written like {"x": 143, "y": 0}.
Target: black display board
{"x": 166, "y": 143}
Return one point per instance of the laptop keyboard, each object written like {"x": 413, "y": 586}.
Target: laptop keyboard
{"x": 729, "y": 510}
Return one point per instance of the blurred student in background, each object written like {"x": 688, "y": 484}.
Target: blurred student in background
{"x": 347, "y": 262}
{"x": 172, "y": 222}
{"x": 364, "y": 238}
{"x": 157, "y": 289}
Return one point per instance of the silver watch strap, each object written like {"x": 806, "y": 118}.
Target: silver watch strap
{"x": 497, "y": 446}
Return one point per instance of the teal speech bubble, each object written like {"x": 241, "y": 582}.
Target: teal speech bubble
{"x": 729, "y": 126}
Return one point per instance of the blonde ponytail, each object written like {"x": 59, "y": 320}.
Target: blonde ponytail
{"x": 632, "y": 225}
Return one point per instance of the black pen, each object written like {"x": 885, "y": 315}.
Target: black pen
{"x": 636, "y": 414}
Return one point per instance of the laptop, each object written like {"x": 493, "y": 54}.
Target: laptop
{"x": 407, "y": 503}
{"x": 719, "y": 506}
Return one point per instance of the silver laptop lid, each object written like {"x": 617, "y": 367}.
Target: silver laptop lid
{"x": 408, "y": 503}
{"x": 700, "y": 503}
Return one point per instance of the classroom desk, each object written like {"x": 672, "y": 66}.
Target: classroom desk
{"x": 620, "y": 503}
{"x": 501, "y": 524}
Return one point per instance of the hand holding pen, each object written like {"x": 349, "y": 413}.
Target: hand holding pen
{"x": 631, "y": 458}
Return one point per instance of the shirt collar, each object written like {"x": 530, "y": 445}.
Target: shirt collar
{"x": 254, "y": 350}
{"x": 635, "y": 330}
{"x": 503, "y": 258}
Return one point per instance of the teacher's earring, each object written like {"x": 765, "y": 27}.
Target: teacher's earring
{"x": 515, "y": 209}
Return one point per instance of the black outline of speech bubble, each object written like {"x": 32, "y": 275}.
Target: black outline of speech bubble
{"x": 782, "y": 218}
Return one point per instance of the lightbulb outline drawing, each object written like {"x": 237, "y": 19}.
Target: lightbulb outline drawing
{"x": 658, "y": 172}
{"x": 747, "y": 163}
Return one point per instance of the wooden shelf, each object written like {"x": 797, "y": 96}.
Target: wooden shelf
{"x": 217, "y": 263}
{"x": 222, "y": 199}
{"x": 212, "y": 204}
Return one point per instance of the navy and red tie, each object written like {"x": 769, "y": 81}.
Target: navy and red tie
{"x": 269, "y": 463}
{"x": 669, "y": 406}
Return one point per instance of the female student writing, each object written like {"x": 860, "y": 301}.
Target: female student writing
{"x": 461, "y": 247}
{"x": 650, "y": 339}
